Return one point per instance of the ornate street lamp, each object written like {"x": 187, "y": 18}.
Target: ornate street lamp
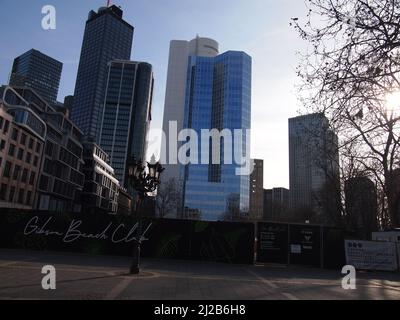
{"x": 143, "y": 182}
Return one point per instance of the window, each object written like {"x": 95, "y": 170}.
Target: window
{"x": 23, "y": 139}
{"x": 44, "y": 182}
{"x": 7, "y": 169}
{"x": 2, "y": 144}
{"x": 28, "y": 157}
{"x": 21, "y": 195}
{"x": 38, "y": 147}
{"x": 35, "y": 161}
{"x": 14, "y": 134}
{"x": 24, "y": 177}
{"x": 49, "y": 149}
{"x": 20, "y": 155}
{"x": 17, "y": 169}
{"x": 6, "y": 126}
{"x": 30, "y": 146}
{"x": 28, "y": 198}
{"x": 11, "y": 195}
{"x": 11, "y": 150}
{"x": 3, "y": 191}
{"x": 1, "y": 122}
{"x": 32, "y": 178}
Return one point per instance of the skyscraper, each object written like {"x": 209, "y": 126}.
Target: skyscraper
{"x": 218, "y": 96}
{"x": 179, "y": 53}
{"x": 257, "y": 191}
{"x": 361, "y": 206}
{"x": 276, "y": 205}
{"x": 314, "y": 168}
{"x": 126, "y": 113}
{"x": 107, "y": 37}
{"x": 38, "y": 71}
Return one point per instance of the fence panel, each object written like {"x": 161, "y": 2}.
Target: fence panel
{"x": 272, "y": 243}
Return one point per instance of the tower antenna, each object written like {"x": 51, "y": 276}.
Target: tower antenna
{"x": 108, "y": 3}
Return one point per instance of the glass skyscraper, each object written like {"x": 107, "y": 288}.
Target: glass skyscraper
{"x": 38, "y": 71}
{"x": 218, "y": 96}
{"x": 107, "y": 37}
{"x": 126, "y": 113}
{"x": 174, "y": 106}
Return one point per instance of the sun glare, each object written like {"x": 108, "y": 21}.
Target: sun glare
{"x": 393, "y": 102}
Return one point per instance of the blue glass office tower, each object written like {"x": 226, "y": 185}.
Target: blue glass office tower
{"x": 107, "y": 37}
{"x": 38, "y": 71}
{"x": 126, "y": 114}
{"x": 218, "y": 96}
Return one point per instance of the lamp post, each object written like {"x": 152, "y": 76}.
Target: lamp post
{"x": 143, "y": 182}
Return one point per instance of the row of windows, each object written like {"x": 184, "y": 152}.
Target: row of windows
{"x": 76, "y": 177}
{"x": 74, "y": 148}
{"x": 21, "y": 197}
{"x": 63, "y": 188}
{"x": 21, "y": 154}
{"x": 68, "y": 158}
{"x": 19, "y": 173}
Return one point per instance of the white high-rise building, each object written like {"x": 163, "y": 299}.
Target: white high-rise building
{"x": 179, "y": 53}
{"x": 314, "y": 166}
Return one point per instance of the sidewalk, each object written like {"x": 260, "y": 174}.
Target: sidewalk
{"x": 106, "y": 277}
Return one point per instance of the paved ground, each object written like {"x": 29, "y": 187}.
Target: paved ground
{"x": 101, "y": 277}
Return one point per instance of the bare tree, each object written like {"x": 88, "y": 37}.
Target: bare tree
{"x": 351, "y": 74}
{"x": 167, "y": 200}
{"x": 233, "y": 211}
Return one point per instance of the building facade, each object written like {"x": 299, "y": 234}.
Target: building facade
{"x": 38, "y": 71}
{"x": 257, "y": 191}
{"x": 22, "y": 136}
{"x": 174, "y": 107}
{"x": 60, "y": 174}
{"x": 124, "y": 202}
{"x": 314, "y": 169}
{"x": 107, "y": 37}
{"x": 276, "y": 205}
{"x": 101, "y": 189}
{"x": 126, "y": 114}
{"x": 218, "y": 96}
{"x": 361, "y": 206}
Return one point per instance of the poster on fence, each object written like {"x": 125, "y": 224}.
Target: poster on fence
{"x": 371, "y": 255}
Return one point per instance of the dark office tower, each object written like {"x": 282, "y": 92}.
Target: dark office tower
{"x": 257, "y": 191}
{"x": 314, "y": 169}
{"x": 35, "y": 70}
{"x": 126, "y": 114}
{"x": 361, "y": 206}
{"x": 276, "y": 205}
{"x": 107, "y": 37}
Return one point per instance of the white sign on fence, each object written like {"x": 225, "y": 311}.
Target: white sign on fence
{"x": 371, "y": 255}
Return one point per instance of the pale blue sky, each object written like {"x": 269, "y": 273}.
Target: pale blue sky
{"x": 258, "y": 27}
